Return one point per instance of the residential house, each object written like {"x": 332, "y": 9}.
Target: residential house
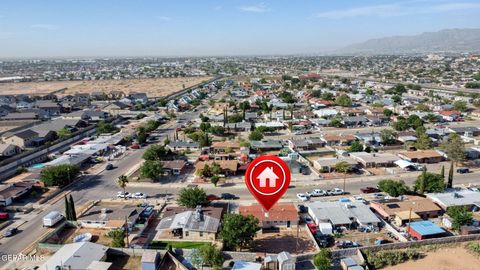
{"x": 8, "y": 193}
{"x": 174, "y": 167}
{"x": 138, "y": 98}
{"x": 81, "y": 255}
{"x": 266, "y": 145}
{"x": 111, "y": 216}
{"x": 229, "y": 167}
{"x": 349, "y": 214}
{"x": 22, "y": 139}
{"x": 49, "y": 106}
{"x": 326, "y": 113}
{"x": 179, "y": 145}
{"x": 469, "y": 131}
{"x": 328, "y": 164}
{"x": 456, "y": 197}
{"x": 422, "y": 156}
{"x": 425, "y": 229}
{"x": 450, "y": 115}
{"x": 81, "y": 99}
{"x": 354, "y": 121}
{"x": 116, "y": 107}
{"x": 13, "y": 116}
{"x": 279, "y": 216}
{"x": 189, "y": 224}
{"x": 332, "y": 139}
{"x": 225, "y": 147}
{"x": 374, "y": 160}
{"x": 8, "y": 150}
{"x": 394, "y": 208}
{"x": 372, "y": 138}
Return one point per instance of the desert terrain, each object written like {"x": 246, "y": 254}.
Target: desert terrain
{"x": 152, "y": 87}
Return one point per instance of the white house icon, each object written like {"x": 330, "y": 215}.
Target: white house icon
{"x": 270, "y": 175}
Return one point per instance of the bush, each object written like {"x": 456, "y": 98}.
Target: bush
{"x": 474, "y": 247}
{"x": 59, "y": 175}
{"x": 389, "y": 258}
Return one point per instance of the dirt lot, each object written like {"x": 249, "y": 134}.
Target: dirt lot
{"x": 285, "y": 240}
{"x": 66, "y": 236}
{"x": 153, "y": 87}
{"x": 442, "y": 259}
{"x": 364, "y": 239}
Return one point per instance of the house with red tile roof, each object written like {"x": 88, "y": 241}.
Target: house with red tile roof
{"x": 279, "y": 216}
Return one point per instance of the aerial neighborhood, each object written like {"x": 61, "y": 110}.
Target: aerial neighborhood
{"x": 381, "y": 165}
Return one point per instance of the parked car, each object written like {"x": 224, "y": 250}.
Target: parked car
{"x": 52, "y": 218}
{"x": 463, "y": 170}
{"x": 335, "y": 192}
{"x": 3, "y": 215}
{"x": 213, "y": 197}
{"x": 318, "y": 193}
{"x": 312, "y": 227}
{"x": 228, "y": 196}
{"x": 139, "y": 195}
{"x": 308, "y": 220}
{"x": 346, "y": 244}
{"x": 120, "y": 194}
{"x": 135, "y": 146}
{"x": 360, "y": 199}
{"x": 324, "y": 240}
{"x": 10, "y": 232}
{"x": 109, "y": 167}
{"x": 369, "y": 190}
{"x": 303, "y": 197}
{"x": 378, "y": 196}
{"x": 302, "y": 208}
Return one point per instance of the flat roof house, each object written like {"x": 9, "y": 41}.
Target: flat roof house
{"x": 78, "y": 256}
{"x": 349, "y": 214}
{"x": 229, "y": 167}
{"x": 422, "y": 156}
{"x": 174, "y": 167}
{"x": 462, "y": 197}
{"x": 328, "y": 164}
{"x": 8, "y": 193}
{"x": 424, "y": 230}
{"x": 373, "y": 160}
{"x": 388, "y": 209}
{"x": 279, "y": 216}
{"x": 332, "y": 139}
{"x": 183, "y": 145}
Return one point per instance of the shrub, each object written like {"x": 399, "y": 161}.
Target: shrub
{"x": 388, "y": 258}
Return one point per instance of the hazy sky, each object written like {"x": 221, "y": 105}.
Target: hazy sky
{"x": 31, "y": 28}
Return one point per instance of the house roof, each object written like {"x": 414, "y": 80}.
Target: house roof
{"x": 426, "y": 227}
{"x": 202, "y": 220}
{"x": 339, "y": 213}
{"x": 174, "y": 164}
{"x": 374, "y": 157}
{"x": 226, "y": 144}
{"x": 76, "y": 256}
{"x": 342, "y": 138}
{"x": 415, "y": 203}
{"x": 419, "y": 154}
{"x": 24, "y": 134}
{"x": 456, "y": 198}
{"x": 276, "y": 213}
{"x": 231, "y": 165}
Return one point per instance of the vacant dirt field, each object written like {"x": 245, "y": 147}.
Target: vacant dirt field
{"x": 153, "y": 87}
{"x": 442, "y": 259}
{"x": 284, "y": 240}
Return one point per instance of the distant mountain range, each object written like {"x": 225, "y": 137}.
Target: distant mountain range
{"x": 449, "y": 40}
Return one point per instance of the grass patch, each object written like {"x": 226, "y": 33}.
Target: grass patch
{"x": 474, "y": 247}
{"x": 176, "y": 244}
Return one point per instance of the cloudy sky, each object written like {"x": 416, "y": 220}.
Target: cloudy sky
{"x": 62, "y": 28}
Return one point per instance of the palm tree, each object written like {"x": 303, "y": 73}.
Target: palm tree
{"x": 343, "y": 167}
{"x": 122, "y": 183}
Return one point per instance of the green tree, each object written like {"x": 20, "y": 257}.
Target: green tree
{"x": 460, "y": 216}
{"x": 64, "y": 133}
{"x": 122, "y": 181}
{"x": 152, "y": 169}
{"x": 68, "y": 214}
{"x": 460, "y": 105}
{"x": 454, "y": 147}
{"x": 450, "y": 176}
{"x": 323, "y": 259}
{"x": 356, "y": 147}
{"x": 401, "y": 124}
{"x": 73, "y": 212}
{"x": 104, "y": 127}
{"x": 344, "y": 101}
{"x": 244, "y": 106}
{"x": 388, "y": 136}
{"x": 155, "y": 152}
{"x": 141, "y": 135}
{"x": 191, "y": 197}
{"x": 205, "y": 126}
{"x": 423, "y": 141}
{"x": 204, "y": 140}
{"x": 151, "y": 125}
{"x": 387, "y": 112}
{"x": 429, "y": 182}
{"x": 336, "y": 122}
{"x": 118, "y": 238}
{"x": 392, "y": 187}
{"x": 328, "y": 96}
{"x": 238, "y": 231}
{"x": 214, "y": 179}
{"x": 414, "y": 121}
{"x": 59, "y": 175}
{"x": 211, "y": 256}
{"x": 255, "y": 136}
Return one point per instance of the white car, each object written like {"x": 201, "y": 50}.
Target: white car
{"x": 303, "y": 197}
{"x": 336, "y": 191}
{"x": 318, "y": 193}
{"x": 139, "y": 195}
{"x": 120, "y": 194}
{"x": 360, "y": 199}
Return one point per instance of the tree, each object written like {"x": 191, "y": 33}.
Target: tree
{"x": 255, "y": 136}
{"x": 356, "y": 147}
{"x": 244, "y": 106}
{"x": 343, "y": 167}
{"x": 235, "y": 118}
{"x": 336, "y": 122}
{"x": 204, "y": 140}
{"x": 104, "y": 127}
{"x": 155, "y": 152}
{"x": 388, "y": 136}
{"x": 401, "y": 124}
{"x": 429, "y": 182}
{"x": 442, "y": 171}
{"x": 387, "y": 112}
{"x": 460, "y": 216}
{"x": 217, "y": 130}
{"x": 460, "y": 105}
{"x": 204, "y": 126}
{"x": 192, "y": 196}
{"x": 392, "y": 187}
{"x": 323, "y": 259}
{"x": 59, "y": 175}
{"x": 328, "y": 96}
{"x": 211, "y": 256}
{"x": 454, "y": 147}
{"x": 450, "y": 176}
{"x": 141, "y": 135}
{"x": 214, "y": 179}
{"x": 64, "y": 133}
{"x": 122, "y": 181}
{"x": 238, "y": 231}
{"x": 117, "y": 238}
{"x": 343, "y": 101}
{"x": 414, "y": 121}
{"x": 423, "y": 141}
{"x": 73, "y": 212}
{"x": 152, "y": 169}
{"x": 151, "y": 125}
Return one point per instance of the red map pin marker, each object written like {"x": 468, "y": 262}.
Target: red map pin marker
{"x": 267, "y": 178}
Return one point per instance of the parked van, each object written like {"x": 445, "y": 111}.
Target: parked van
{"x": 52, "y": 218}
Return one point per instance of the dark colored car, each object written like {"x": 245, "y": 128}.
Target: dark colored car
{"x": 324, "y": 240}
{"x": 369, "y": 190}
{"x": 228, "y": 196}
{"x": 109, "y": 167}
{"x": 213, "y": 197}
{"x": 10, "y": 232}
{"x": 463, "y": 170}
